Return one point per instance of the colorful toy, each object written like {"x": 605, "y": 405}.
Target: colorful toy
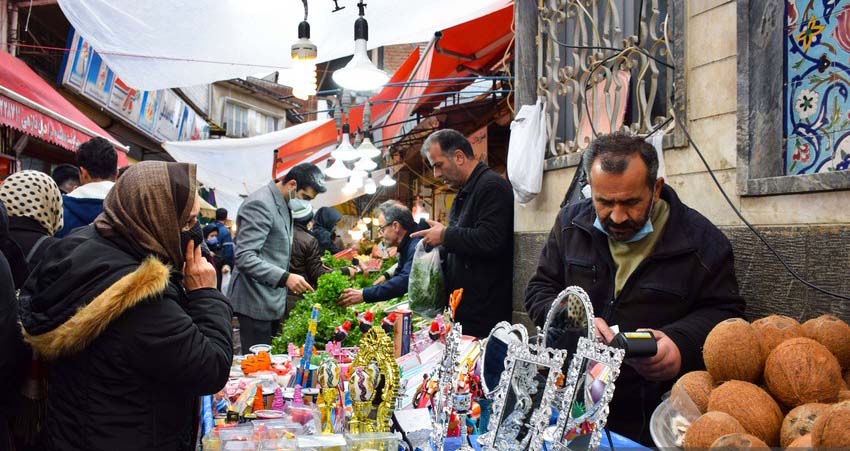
{"x": 277, "y": 403}
{"x": 328, "y": 378}
{"x": 388, "y": 323}
{"x": 365, "y": 319}
{"x": 308, "y": 346}
{"x": 341, "y": 332}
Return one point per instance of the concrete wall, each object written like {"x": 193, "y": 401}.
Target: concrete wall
{"x": 811, "y": 230}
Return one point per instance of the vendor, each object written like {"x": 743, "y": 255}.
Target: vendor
{"x": 395, "y": 223}
{"x": 647, "y": 261}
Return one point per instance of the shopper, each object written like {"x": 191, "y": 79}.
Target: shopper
{"x": 395, "y": 224}
{"x": 261, "y": 277}
{"x": 34, "y": 204}
{"x": 98, "y": 162}
{"x": 478, "y": 241}
{"x": 134, "y": 329}
{"x": 14, "y": 354}
{"x": 324, "y": 229}
{"x": 67, "y": 177}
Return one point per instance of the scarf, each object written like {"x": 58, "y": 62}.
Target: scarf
{"x": 34, "y": 195}
{"x": 148, "y": 207}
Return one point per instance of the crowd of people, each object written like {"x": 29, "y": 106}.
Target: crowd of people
{"x": 116, "y": 298}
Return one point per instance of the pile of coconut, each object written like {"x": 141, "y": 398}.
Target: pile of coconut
{"x": 772, "y": 383}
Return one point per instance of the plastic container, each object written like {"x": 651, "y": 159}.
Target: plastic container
{"x": 380, "y": 441}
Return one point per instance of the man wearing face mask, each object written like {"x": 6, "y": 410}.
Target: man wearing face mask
{"x": 261, "y": 278}
{"x": 647, "y": 261}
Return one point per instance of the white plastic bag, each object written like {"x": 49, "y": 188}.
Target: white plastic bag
{"x": 527, "y": 150}
{"x": 225, "y": 282}
{"x": 425, "y": 287}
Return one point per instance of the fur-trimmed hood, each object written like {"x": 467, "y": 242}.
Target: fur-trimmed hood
{"x": 83, "y": 284}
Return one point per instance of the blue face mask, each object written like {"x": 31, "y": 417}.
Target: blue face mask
{"x": 296, "y": 203}
{"x": 641, "y": 234}
{"x": 212, "y": 241}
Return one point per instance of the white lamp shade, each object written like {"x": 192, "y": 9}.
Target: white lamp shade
{"x": 337, "y": 170}
{"x": 345, "y": 151}
{"x": 368, "y": 150}
{"x": 365, "y": 164}
{"x": 388, "y": 180}
{"x": 367, "y": 220}
{"x": 356, "y": 182}
{"x": 360, "y": 74}
{"x": 349, "y": 189}
{"x": 369, "y": 187}
{"x": 356, "y": 235}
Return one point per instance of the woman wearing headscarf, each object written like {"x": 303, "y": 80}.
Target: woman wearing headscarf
{"x": 34, "y": 204}
{"x": 127, "y": 313}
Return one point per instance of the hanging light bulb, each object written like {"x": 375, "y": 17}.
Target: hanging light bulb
{"x": 362, "y": 226}
{"x": 367, "y": 149}
{"x": 388, "y": 179}
{"x": 365, "y": 164}
{"x": 356, "y": 235}
{"x": 303, "y": 62}
{"x": 360, "y": 74}
{"x": 345, "y": 151}
{"x": 369, "y": 187}
{"x": 367, "y": 220}
{"x": 337, "y": 170}
{"x": 349, "y": 189}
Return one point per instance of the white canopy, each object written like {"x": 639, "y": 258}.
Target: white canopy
{"x": 236, "y": 167}
{"x": 159, "y": 44}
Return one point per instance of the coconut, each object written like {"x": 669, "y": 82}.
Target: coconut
{"x": 775, "y": 329}
{"x": 847, "y": 378}
{"x": 751, "y": 406}
{"x": 843, "y": 395}
{"x": 800, "y": 371}
{"x": 833, "y": 333}
{"x": 732, "y": 350}
{"x": 709, "y": 427}
{"x": 803, "y": 441}
{"x": 738, "y": 441}
{"x": 698, "y": 385}
{"x": 832, "y": 428}
{"x": 799, "y": 422}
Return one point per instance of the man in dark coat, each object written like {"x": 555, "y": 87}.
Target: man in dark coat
{"x": 395, "y": 225}
{"x": 478, "y": 241}
{"x": 647, "y": 261}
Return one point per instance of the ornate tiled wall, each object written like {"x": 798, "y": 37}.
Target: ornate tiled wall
{"x": 817, "y": 79}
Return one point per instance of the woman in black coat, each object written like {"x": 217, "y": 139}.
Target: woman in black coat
{"x": 34, "y": 204}
{"x": 127, "y": 313}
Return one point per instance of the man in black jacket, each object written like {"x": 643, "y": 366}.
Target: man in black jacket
{"x": 647, "y": 261}
{"x": 479, "y": 239}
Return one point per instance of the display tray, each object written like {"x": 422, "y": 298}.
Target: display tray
{"x": 659, "y": 426}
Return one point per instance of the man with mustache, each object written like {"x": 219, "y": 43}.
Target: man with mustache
{"x": 647, "y": 261}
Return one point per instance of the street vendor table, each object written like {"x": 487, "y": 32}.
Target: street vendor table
{"x": 620, "y": 442}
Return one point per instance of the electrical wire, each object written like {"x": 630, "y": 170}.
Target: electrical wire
{"x": 747, "y": 223}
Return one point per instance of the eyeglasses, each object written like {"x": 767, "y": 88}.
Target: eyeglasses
{"x": 381, "y": 228}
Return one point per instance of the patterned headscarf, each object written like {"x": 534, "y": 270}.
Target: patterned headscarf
{"x": 149, "y": 205}
{"x": 34, "y": 195}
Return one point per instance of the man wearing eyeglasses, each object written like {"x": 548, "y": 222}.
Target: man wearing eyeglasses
{"x": 395, "y": 224}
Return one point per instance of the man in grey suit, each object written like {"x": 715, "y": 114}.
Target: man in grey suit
{"x": 261, "y": 278}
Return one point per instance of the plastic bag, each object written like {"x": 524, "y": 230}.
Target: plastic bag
{"x": 426, "y": 288}
{"x": 527, "y": 150}
{"x": 225, "y": 281}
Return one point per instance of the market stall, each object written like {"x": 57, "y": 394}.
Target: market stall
{"x": 385, "y": 376}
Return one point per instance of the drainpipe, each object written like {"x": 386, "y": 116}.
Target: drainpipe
{"x": 4, "y": 25}
{"x": 13, "y": 29}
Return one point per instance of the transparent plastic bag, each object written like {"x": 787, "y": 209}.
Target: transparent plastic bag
{"x": 426, "y": 286}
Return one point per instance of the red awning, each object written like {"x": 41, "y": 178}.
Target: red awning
{"x": 464, "y": 50}
{"x": 31, "y": 105}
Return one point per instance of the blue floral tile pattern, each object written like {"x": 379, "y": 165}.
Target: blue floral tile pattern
{"x": 817, "y": 79}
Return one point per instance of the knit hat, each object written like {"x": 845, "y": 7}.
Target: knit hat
{"x": 303, "y": 212}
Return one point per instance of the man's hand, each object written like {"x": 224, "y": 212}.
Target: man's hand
{"x": 297, "y": 284}
{"x": 197, "y": 271}
{"x": 379, "y": 281}
{"x": 664, "y": 365}
{"x": 603, "y": 332}
{"x": 225, "y": 269}
{"x": 432, "y": 237}
{"x": 350, "y": 297}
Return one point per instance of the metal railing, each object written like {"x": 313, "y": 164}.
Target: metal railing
{"x": 603, "y": 62}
